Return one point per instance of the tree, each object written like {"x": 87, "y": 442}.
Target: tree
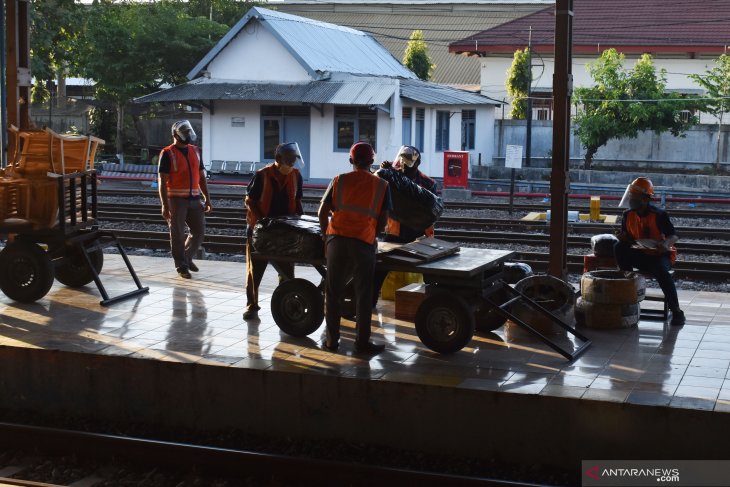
{"x": 54, "y": 26}
{"x": 130, "y": 49}
{"x": 416, "y": 57}
{"x": 624, "y": 102}
{"x": 716, "y": 82}
{"x": 518, "y": 83}
{"x": 226, "y": 12}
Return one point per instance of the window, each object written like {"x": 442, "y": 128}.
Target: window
{"x": 355, "y": 124}
{"x": 468, "y": 129}
{"x": 442, "y": 131}
{"x": 542, "y": 114}
{"x": 407, "y": 125}
{"x": 273, "y": 123}
{"x": 420, "y": 126}
{"x": 686, "y": 115}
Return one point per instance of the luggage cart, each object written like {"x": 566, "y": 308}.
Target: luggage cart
{"x": 67, "y": 246}
{"x": 459, "y": 288}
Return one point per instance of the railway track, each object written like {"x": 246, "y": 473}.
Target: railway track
{"x": 472, "y": 205}
{"x": 218, "y": 462}
{"x": 685, "y": 269}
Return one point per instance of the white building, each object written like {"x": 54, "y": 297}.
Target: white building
{"x": 683, "y": 38}
{"x": 277, "y": 78}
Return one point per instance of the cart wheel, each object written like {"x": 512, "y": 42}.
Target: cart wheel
{"x": 26, "y": 272}
{"x": 73, "y": 271}
{"x": 487, "y": 319}
{"x": 445, "y": 323}
{"x": 297, "y": 306}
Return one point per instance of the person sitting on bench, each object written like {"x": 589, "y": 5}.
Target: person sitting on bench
{"x": 646, "y": 242}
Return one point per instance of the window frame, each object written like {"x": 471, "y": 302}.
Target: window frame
{"x": 441, "y": 132}
{"x": 468, "y": 130}
{"x": 355, "y": 118}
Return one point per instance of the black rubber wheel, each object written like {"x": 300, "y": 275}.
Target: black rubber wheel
{"x": 73, "y": 270}
{"x": 297, "y": 306}
{"x": 486, "y": 317}
{"x": 26, "y": 272}
{"x": 445, "y": 323}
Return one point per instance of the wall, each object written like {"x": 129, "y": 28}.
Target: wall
{"x": 229, "y": 143}
{"x": 697, "y": 148}
{"x": 494, "y": 73}
{"x": 256, "y": 55}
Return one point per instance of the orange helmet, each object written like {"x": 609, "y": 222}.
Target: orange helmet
{"x": 642, "y": 186}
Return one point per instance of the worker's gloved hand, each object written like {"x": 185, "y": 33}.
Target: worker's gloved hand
{"x": 386, "y": 165}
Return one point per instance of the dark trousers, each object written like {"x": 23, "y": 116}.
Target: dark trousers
{"x": 255, "y": 269}
{"x": 658, "y": 266}
{"x": 185, "y": 212}
{"x": 349, "y": 258}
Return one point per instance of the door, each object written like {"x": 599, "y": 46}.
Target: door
{"x": 296, "y": 129}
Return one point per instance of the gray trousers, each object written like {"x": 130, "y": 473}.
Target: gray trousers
{"x": 185, "y": 212}
{"x": 349, "y": 258}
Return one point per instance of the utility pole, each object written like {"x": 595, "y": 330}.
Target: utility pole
{"x": 528, "y": 126}
{"x": 559, "y": 178}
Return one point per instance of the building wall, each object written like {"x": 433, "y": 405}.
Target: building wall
{"x": 228, "y": 143}
{"x": 256, "y": 55}
{"x": 494, "y": 74}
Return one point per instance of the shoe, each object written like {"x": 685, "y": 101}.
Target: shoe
{"x": 183, "y": 272}
{"x": 330, "y": 348}
{"x": 193, "y": 267}
{"x": 369, "y": 347}
{"x": 251, "y": 313}
{"x": 677, "y": 318}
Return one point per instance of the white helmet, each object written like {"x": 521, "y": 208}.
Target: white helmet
{"x": 407, "y": 156}
{"x": 184, "y": 131}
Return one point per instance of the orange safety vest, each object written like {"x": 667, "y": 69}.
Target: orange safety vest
{"x": 357, "y": 199}
{"x": 640, "y": 227}
{"x": 273, "y": 179}
{"x": 184, "y": 178}
{"x": 393, "y": 226}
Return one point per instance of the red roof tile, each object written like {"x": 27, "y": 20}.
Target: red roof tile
{"x": 659, "y": 26}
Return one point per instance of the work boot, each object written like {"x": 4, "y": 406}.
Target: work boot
{"x": 183, "y": 272}
{"x": 251, "y": 313}
{"x": 193, "y": 267}
{"x": 677, "y": 318}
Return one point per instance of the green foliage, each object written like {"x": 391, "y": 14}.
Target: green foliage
{"x": 54, "y": 28}
{"x": 518, "y": 83}
{"x": 130, "y": 49}
{"x": 624, "y": 102}
{"x": 226, "y": 12}
{"x": 416, "y": 57}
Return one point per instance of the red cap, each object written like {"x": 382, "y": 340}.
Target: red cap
{"x": 362, "y": 152}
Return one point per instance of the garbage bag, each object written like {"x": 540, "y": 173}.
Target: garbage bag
{"x": 413, "y": 205}
{"x": 291, "y": 236}
{"x": 602, "y": 245}
{"x": 514, "y": 272}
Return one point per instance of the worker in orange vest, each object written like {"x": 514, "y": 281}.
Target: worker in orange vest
{"x": 646, "y": 241}
{"x": 359, "y": 203}
{"x": 181, "y": 184}
{"x": 275, "y": 190}
{"x": 407, "y": 161}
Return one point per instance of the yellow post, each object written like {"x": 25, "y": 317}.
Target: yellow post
{"x": 595, "y": 208}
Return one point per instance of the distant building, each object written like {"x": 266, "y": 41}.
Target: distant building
{"x": 277, "y": 78}
{"x": 391, "y": 22}
{"x": 683, "y": 37}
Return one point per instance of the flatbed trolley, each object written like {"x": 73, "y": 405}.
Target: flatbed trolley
{"x": 459, "y": 287}
{"x": 68, "y": 248}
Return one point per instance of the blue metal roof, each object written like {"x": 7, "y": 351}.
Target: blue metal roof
{"x": 435, "y": 94}
{"x": 321, "y": 48}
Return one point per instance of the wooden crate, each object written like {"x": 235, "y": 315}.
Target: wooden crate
{"x": 408, "y": 299}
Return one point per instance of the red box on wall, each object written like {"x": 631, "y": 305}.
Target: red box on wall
{"x": 456, "y": 169}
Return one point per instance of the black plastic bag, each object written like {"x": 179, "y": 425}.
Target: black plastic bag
{"x": 291, "y": 236}
{"x": 602, "y": 245}
{"x": 514, "y": 272}
{"x": 413, "y": 206}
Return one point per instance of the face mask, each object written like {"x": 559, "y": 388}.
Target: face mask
{"x": 635, "y": 204}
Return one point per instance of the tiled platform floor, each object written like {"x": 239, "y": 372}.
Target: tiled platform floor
{"x": 200, "y": 321}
